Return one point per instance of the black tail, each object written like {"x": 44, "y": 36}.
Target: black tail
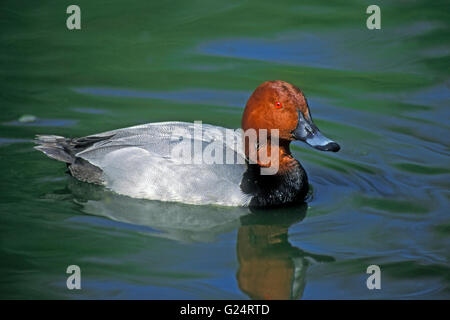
{"x": 65, "y": 149}
{"x": 55, "y": 147}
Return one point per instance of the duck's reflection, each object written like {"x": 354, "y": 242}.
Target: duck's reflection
{"x": 176, "y": 221}
{"x": 269, "y": 266}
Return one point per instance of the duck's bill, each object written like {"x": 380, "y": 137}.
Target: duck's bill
{"x": 320, "y": 142}
{"x": 308, "y": 132}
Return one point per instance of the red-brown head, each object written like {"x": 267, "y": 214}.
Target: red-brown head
{"x": 281, "y": 105}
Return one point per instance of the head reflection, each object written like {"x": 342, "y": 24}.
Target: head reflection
{"x": 269, "y": 266}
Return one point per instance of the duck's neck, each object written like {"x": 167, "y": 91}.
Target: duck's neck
{"x": 276, "y": 178}
{"x": 278, "y": 157}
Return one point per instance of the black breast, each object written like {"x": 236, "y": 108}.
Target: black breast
{"x": 275, "y": 190}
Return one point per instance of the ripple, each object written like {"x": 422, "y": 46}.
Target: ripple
{"x": 392, "y": 205}
{"x": 420, "y": 169}
{"x": 90, "y": 110}
{"x": 43, "y": 123}
{"x": 314, "y": 49}
{"x": 201, "y": 96}
{"x": 6, "y": 141}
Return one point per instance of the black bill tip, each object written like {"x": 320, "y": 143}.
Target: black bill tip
{"x": 331, "y": 146}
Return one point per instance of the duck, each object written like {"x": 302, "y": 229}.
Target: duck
{"x": 185, "y": 162}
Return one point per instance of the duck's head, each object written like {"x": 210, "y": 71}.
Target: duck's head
{"x": 281, "y": 105}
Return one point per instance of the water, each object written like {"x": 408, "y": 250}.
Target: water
{"x": 383, "y": 199}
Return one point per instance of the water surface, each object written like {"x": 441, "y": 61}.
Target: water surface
{"x": 383, "y": 199}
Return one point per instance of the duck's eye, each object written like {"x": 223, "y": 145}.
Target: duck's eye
{"x": 278, "y": 105}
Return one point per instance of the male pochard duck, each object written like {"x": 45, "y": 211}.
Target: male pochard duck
{"x": 139, "y": 161}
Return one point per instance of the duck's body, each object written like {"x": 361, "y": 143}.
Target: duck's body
{"x": 137, "y": 162}
{"x": 140, "y": 162}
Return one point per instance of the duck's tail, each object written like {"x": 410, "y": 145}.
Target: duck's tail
{"x": 55, "y": 147}
{"x": 66, "y": 150}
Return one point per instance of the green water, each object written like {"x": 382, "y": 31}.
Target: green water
{"x": 383, "y": 199}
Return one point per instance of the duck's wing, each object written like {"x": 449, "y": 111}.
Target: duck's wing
{"x": 163, "y": 139}
{"x": 161, "y": 161}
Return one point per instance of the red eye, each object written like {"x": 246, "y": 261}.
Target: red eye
{"x": 278, "y": 105}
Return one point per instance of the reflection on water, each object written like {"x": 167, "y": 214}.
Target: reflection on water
{"x": 174, "y": 221}
{"x": 269, "y": 266}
